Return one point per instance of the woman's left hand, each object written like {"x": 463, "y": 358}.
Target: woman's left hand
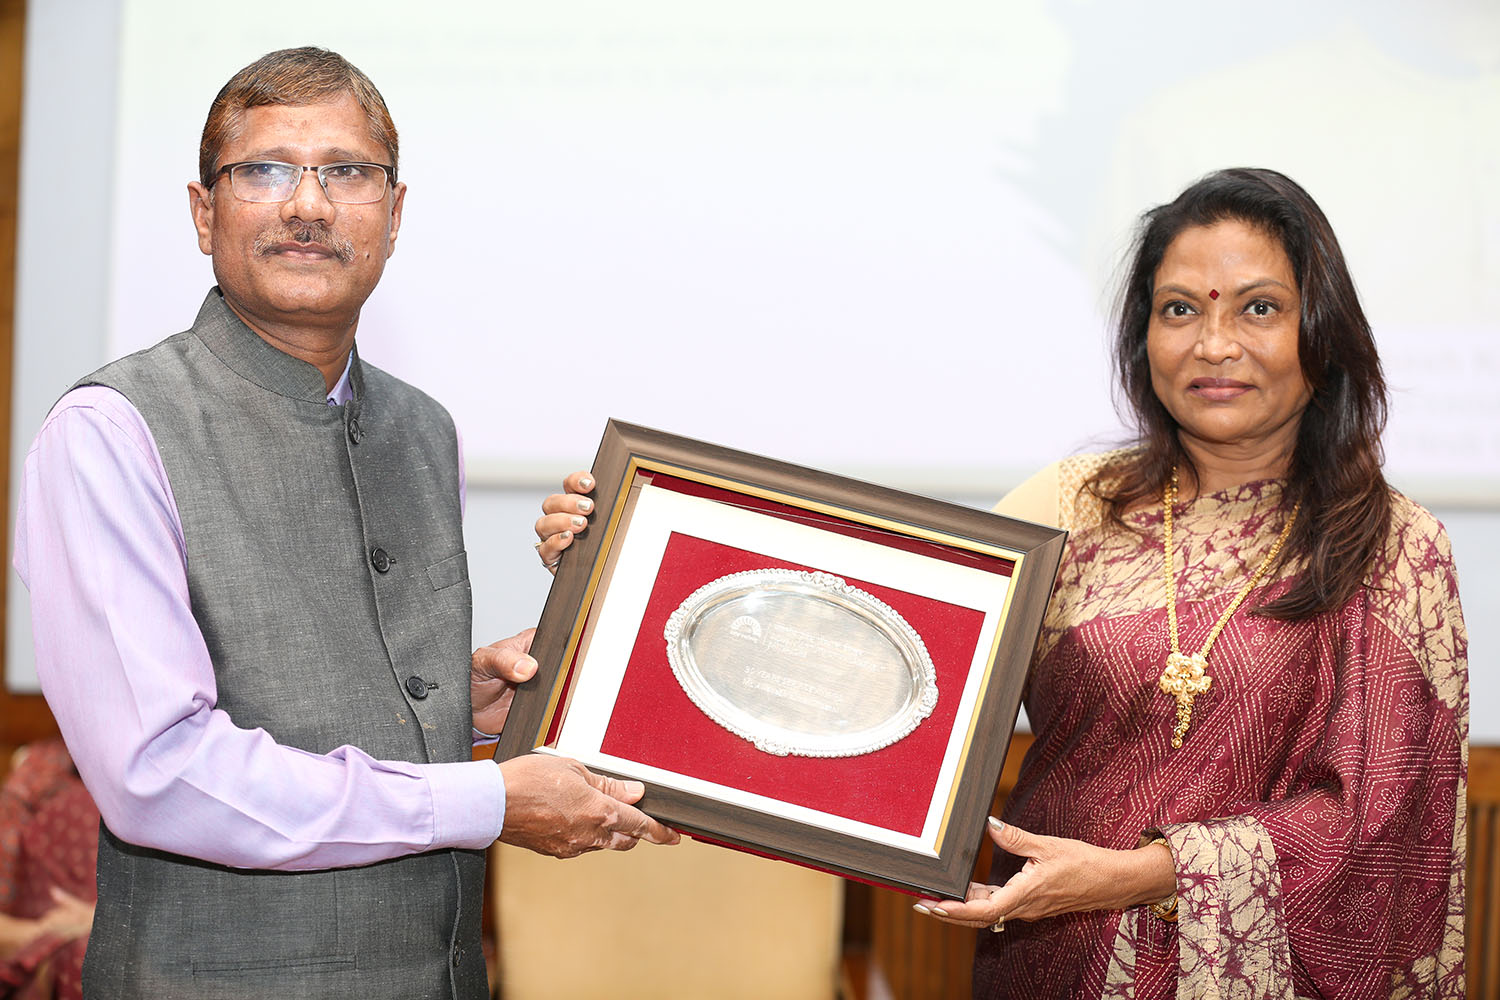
{"x": 564, "y": 516}
{"x": 1059, "y": 876}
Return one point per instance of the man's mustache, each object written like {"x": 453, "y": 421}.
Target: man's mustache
{"x": 305, "y": 232}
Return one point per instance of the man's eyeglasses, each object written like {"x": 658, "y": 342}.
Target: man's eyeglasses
{"x": 267, "y": 181}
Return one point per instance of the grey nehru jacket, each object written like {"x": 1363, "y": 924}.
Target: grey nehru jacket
{"x": 326, "y": 568}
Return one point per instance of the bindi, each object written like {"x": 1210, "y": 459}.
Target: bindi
{"x": 1213, "y": 293}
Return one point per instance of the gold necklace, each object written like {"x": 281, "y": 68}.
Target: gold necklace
{"x": 1186, "y": 676}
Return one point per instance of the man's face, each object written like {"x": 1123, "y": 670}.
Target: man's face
{"x": 306, "y": 262}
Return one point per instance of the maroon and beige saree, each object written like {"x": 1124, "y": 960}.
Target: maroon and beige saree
{"x": 1316, "y": 809}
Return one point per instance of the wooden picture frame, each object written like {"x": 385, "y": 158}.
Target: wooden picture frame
{"x": 674, "y": 519}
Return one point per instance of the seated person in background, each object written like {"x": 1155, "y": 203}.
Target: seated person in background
{"x": 49, "y": 831}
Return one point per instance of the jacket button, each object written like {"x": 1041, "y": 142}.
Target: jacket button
{"x": 416, "y": 686}
{"x": 381, "y": 560}
{"x": 458, "y": 955}
{"x": 354, "y": 432}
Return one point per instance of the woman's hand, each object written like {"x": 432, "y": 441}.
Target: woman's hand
{"x": 1060, "y": 876}
{"x": 564, "y": 515}
{"x": 69, "y": 917}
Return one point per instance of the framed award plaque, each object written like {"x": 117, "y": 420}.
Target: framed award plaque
{"x": 795, "y": 664}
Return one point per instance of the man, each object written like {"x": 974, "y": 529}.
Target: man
{"x": 252, "y": 607}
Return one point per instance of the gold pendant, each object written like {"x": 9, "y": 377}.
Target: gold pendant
{"x": 1185, "y": 677}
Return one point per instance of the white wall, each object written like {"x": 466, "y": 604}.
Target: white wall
{"x": 873, "y": 239}
{"x": 62, "y": 240}
{"x": 800, "y": 226}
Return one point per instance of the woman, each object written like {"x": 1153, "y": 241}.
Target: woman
{"x": 1249, "y": 697}
{"x": 1307, "y": 835}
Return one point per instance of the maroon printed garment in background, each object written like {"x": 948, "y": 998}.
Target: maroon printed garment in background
{"x": 49, "y": 835}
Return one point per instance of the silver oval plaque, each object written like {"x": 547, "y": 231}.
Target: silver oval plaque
{"x": 801, "y": 663}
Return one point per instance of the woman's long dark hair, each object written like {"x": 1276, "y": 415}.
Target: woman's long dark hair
{"x": 1335, "y": 467}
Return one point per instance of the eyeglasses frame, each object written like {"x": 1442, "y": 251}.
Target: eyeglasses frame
{"x": 390, "y": 178}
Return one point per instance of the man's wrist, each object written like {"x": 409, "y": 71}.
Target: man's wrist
{"x": 468, "y": 803}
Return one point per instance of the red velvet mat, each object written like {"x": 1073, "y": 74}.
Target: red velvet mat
{"x": 655, "y": 723}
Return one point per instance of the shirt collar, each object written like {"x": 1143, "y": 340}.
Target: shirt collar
{"x": 342, "y": 390}
{"x": 247, "y": 354}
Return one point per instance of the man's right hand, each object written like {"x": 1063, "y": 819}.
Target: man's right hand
{"x": 559, "y": 807}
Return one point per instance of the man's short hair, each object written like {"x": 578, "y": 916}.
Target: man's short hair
{"x": 306, "y": 75}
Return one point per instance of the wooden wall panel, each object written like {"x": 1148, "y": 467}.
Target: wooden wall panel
{"x": 1482, "y": 913}
{"x": 23, "y": 717}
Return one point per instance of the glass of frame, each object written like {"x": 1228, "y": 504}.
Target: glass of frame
{"x": 794, "y": 663}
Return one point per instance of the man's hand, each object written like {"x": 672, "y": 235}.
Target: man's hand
{"x": 494, "y": 671}
{"x": 564, "y": 515}
{"x": 559, "y": 807}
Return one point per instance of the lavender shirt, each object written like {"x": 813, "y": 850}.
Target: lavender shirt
{"x": 127, "y": 673}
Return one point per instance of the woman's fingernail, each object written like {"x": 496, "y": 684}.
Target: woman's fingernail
{"x": 920, "y": 909}
{"x": 585, "y": 505}
{"x": 565, "y": 535}
{"x": 586, "y": 483}
{"x": 996, "y": 825}
{"x": 578, "y": 522}
{"x": 939, "y": 912}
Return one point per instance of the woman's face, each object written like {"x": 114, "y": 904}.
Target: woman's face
{"x": 1222, "y": 342}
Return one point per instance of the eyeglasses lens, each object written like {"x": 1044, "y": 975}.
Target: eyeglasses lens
{"x": 344, "y": 183}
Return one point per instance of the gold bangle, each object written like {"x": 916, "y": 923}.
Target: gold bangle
{"x": 1167, "y": 908}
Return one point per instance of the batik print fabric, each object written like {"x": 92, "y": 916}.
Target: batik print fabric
{"x": 1316, "y": 809}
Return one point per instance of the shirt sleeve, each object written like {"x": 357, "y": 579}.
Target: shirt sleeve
{"x": 127, "y": 673}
